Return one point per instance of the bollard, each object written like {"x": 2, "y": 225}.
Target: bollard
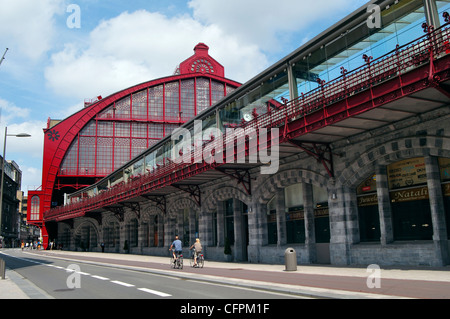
{"x": 290, "y": 259}
{"x": 2, "y": 268}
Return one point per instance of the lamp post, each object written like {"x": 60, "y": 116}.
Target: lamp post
{"x": 3, "y": 172}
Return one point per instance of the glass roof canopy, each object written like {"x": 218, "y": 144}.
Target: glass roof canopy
{"x": 323, "y": 58}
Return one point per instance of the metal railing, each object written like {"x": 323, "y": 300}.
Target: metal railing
{"x": 431, "y": 46}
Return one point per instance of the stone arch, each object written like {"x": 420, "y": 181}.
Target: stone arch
{"x": 181, "y": 203}
{"x": 111, "y": 231}
{"x": 65, "y": 233}
{"x": 151, "y": 211}
{"x": 224, "y": 193}
{"x": 129, "y": 216}
{"x": 87, "y": 238}
{"x": 390, "y": 152}
{"x": 286, "y": 178}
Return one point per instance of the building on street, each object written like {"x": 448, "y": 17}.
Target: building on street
{"x": 358, "y": 119}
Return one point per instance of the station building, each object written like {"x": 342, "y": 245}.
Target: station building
{"x": 362, "y": 112}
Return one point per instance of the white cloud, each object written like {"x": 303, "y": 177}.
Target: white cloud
{"x": 269, "y": 23}
{"x": 141, "y": 46}
{"x": 10, "y": 111}
{"x": 26, "y": 151}
{"x": 27, "y": 26}
{"x": 25, "y": 148}
{"x": 31, "y": 178}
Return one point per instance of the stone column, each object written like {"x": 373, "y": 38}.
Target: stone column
{"x": 339, "y": 249}
{"x": 220, "y": 224}
{"x": 437, "y": 210}
{"x": 308, "y": 211}
{"x": 384, "y": 206}
{"x": 281, "y": 217}
{"x": 238, "y": 225}
{"x": 161, "y": 234}
{"x": 257, "y": 231}
{"x": 192, "y": 217}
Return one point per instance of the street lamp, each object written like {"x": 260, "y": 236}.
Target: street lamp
{"x": 3, "y": 171}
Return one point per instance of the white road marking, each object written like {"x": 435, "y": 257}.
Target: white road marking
{"x": 99, "y": 277}
{"x": 155, "y": 292}
{"x": 150, "y": 291}
{"x": 122, "y": 283}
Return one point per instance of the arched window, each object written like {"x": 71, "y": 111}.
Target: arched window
{"x": 35, "y": 208}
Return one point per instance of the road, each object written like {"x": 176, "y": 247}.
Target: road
{"x": 62, "y": 279}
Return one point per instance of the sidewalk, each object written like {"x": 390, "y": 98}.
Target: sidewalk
{"x": 14, "y": 286}
{"x": 317, "y": 281}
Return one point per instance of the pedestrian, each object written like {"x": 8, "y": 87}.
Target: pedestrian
{"x": 103, "y": 247}
{"x": 22, "y": 245}
{"x": 197, "y": 250}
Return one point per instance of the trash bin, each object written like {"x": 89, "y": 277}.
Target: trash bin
{"x": 290, "y": 259}
{"x": 2, "y": 269}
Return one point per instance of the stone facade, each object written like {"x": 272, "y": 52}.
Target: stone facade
{"x": 149, "y": 230}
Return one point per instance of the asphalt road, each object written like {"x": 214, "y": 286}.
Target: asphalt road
{"x": 62, "y": 279}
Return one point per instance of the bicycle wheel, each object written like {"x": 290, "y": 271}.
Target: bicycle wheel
{"x": 191, "y": 261}
{"x": 180, "y": 260}
{"x": 172, "y": 263}
{"x": 200, "y": 261}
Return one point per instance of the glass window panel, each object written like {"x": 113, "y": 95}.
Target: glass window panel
{"x": 203, "y": 98}
{"x": 187, "y": 100}
{"x": 121, "y": 151}
{"x": 138, "y": 145}
{"x": 139, "y": 129}
{"x": 107, "y": 114}
{"x": 169, "y": 128}
{"x": 104, "y": 155}
{"x": 89, "y": 129}
{"x": 70, "y": 163}
{"x": 122, "y": 129}
{"x": 87, "y": 156}
{"x": 35, "y": 204}
{"x": 105, "y": 128}
{"x": 217, "y": 91}
{"x": 172, "y": 99}
{"x": 155, "y": 103}
{"x": 139, "y": 105}
{"x": 123, "y": 108}
{"x": 155, "y": 130}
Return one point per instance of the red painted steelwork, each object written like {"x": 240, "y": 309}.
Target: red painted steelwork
{"x": 422, "y": 64}
{"x": 59, "y": 137}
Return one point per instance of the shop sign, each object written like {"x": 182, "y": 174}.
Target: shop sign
{"x": 321, "y": 212}
{"x": 369, "y": 200}
{"x": 295, "y": 215}
{"x": 407, "y": 173}
{"x": 409, "y": 195}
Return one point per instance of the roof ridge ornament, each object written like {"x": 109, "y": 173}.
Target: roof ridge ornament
{"x": 201, "y": 62}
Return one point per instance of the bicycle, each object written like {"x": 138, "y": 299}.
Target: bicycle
{"x": 178, "y": 263}
{"x": 200, "y": 260}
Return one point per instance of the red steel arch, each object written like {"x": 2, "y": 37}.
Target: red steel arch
{"x": 60, "y": 136}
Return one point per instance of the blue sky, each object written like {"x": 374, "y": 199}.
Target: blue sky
{"x": 51, "y": 68}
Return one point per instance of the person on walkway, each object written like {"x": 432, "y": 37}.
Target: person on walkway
{"x": 178, "y": 248}
{"x": 197, "y": 246}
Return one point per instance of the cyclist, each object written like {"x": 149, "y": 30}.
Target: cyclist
{"x": 178, "y": 248}
{"x": 197, "y": 250}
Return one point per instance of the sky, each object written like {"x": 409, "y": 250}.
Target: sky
{"x": 62, "y": 52}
